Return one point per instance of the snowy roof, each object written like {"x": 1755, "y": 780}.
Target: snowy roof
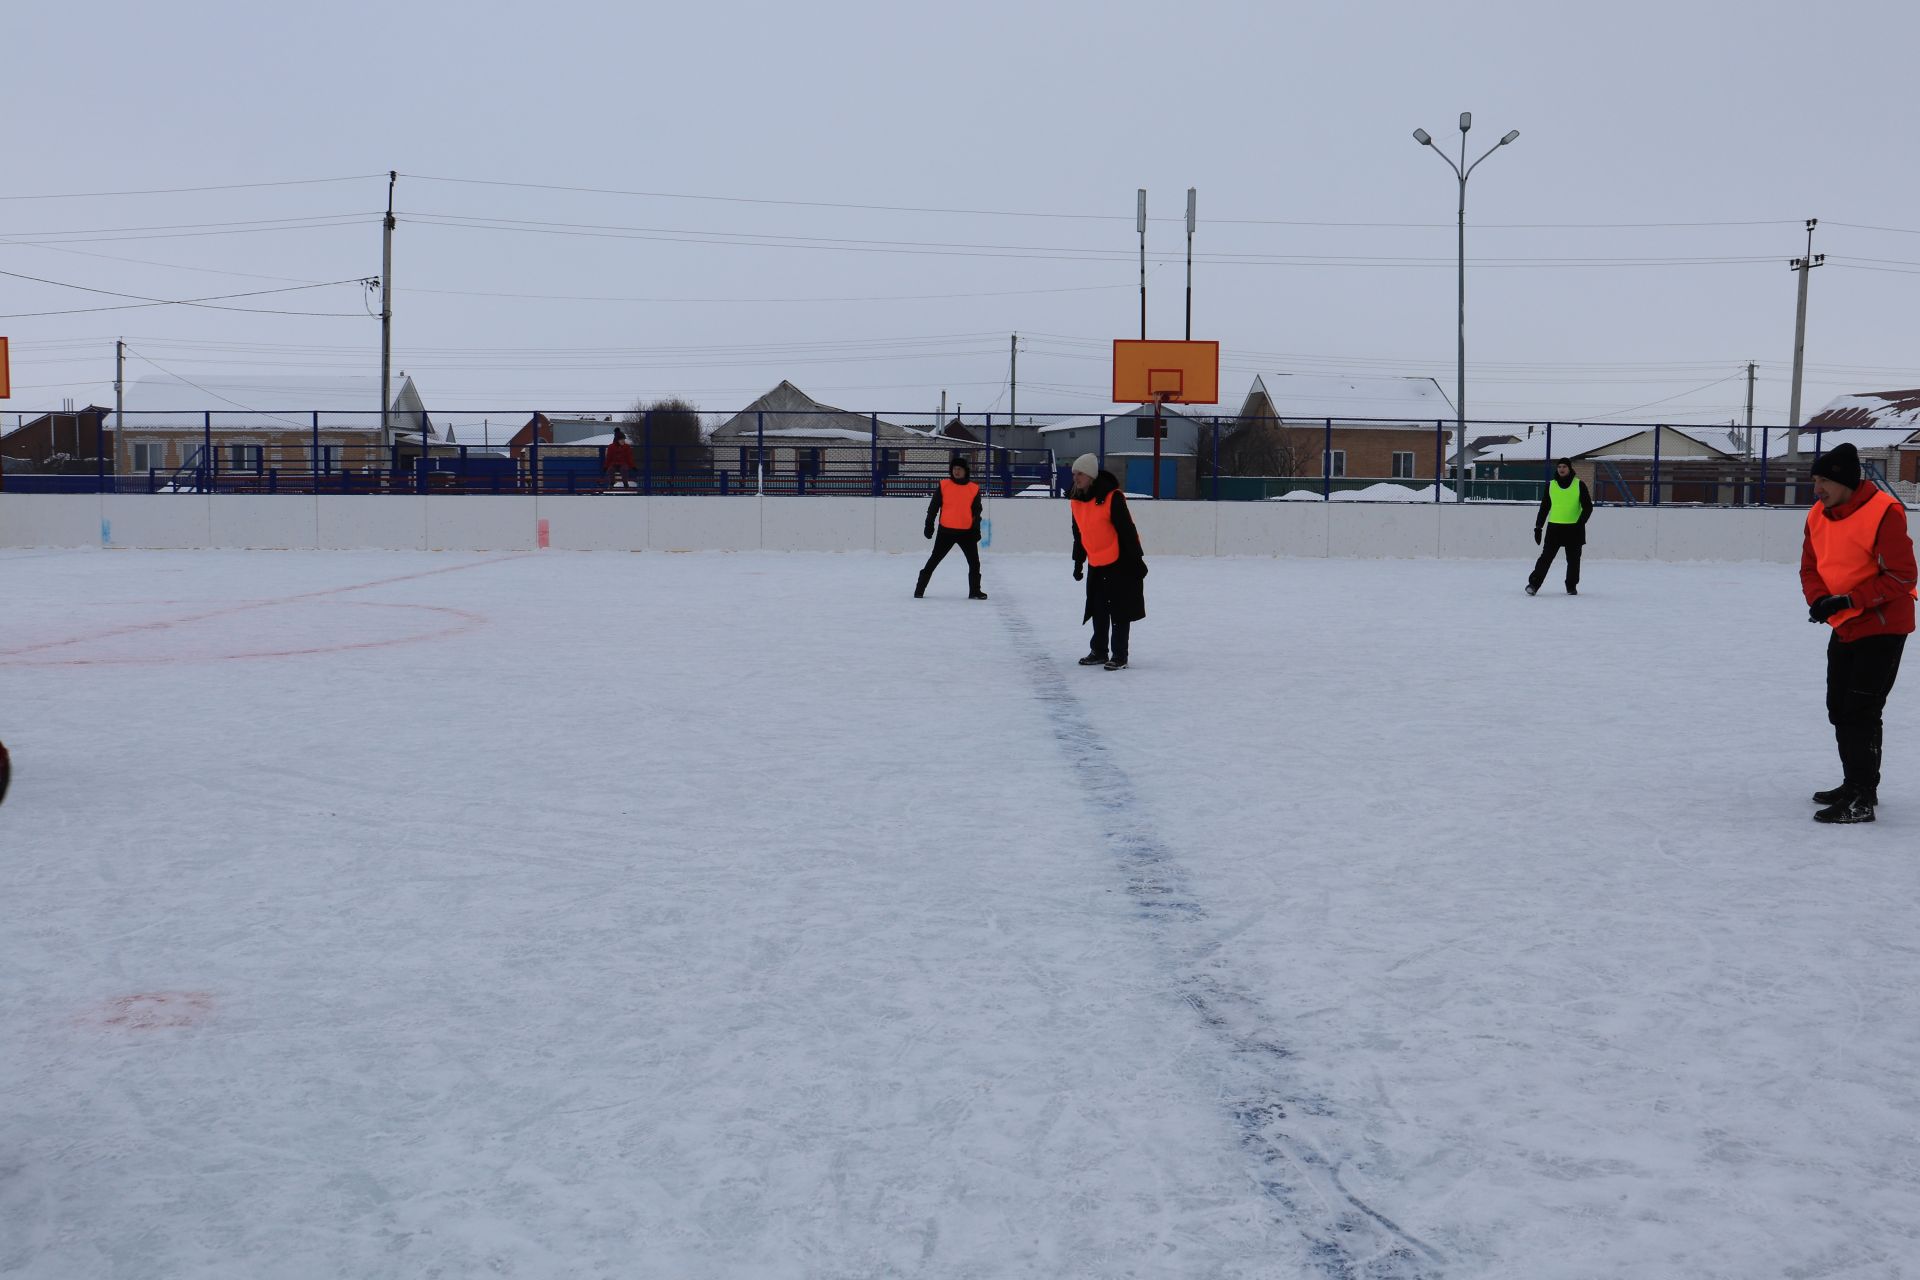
{"x": 268, "y": 404}
{"x": 1093, "y": 420}
{"x": 1578, "y": 440}
{"x": 1314, "y": 395}
{"x": 1895, "y": 409}
{"x": 793, "y": 413}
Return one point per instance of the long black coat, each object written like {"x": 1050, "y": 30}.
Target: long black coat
{"x": 1125, "y": 580}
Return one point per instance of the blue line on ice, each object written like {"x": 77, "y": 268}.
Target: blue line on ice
{"x": 1346, "y": 1237}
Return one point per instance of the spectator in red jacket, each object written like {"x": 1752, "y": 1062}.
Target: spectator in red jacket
{"x": 619, "y": 461}
{"x": 1857, "y": 573}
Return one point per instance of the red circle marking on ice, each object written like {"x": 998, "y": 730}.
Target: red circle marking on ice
{"x": 153, "y": 1010}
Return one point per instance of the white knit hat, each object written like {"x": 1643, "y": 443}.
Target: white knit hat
{"x": 1087, "y": 465}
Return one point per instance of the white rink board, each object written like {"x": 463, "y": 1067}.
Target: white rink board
{"x": 1342, "y": 530}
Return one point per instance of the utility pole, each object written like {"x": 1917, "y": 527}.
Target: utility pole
{"x": 119, "y": 399}
{"x": 386, "y": 317}
{"x": 1140, "y": 219}
{"x": 1749, "y": 408}
{"x": 1803, "y": 266}
{"x": 1192, "y": 206}
{"x": 1013, "y": 382}
{"x": 943, "y": 412}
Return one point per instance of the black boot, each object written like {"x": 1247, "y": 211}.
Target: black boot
{"x": 920, "y": 587}
{"x": 973, "y": 590}
{"x": 1094, "y": 660}
{"x": 1855, "y": 808}
{"x": 6, "y": 770}
{"x": 1838, "y": 795}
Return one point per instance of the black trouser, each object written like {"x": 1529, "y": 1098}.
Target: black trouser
{"x": 1569, "y": 536}
{"x": 1109, "y": 629}
{"x": 944, "y": 540}
{"x": 1860, "y": 675}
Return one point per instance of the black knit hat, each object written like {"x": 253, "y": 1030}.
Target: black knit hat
{"x": 1840, "y": 465}
{"x": 960, "y": 460}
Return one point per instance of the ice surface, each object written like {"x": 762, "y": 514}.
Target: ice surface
{"x": 574, "y": 915}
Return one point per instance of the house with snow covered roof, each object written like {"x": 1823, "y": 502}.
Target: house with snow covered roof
{"x": 1697, "y": 464}
{"x": 1883, "y": 425}
{"x": 799, "y": 444}
{"x": 1126, "y": 442}
{"x": 1342, "y": 425}
{"x": 263, "y": 424}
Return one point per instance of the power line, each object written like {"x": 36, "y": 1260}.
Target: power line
{"x": 144, "y": 301}
{"x": 171, "y": 191}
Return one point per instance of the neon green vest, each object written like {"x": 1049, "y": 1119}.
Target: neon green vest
{"x": 1566, "y": 502}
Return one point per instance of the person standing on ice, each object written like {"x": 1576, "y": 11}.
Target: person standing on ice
{"x": 1564, "y": 510}
{"x": 619, "y": 460}
{"x": 1106, "y": 551}
{"x": 1857, "y": 572}
{"x": 955, "y": 504}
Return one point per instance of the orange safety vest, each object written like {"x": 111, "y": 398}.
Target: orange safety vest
{"x": 956, "y": 504}
{"x": 1098, "y": 538}
{"x": 1843, "y": 549}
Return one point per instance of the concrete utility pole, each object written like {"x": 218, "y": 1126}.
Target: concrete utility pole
{"x": 1192, "y": 207}
{"x": 1140, "y": 219}
{"x": 1804, "y": 266}
{"x": 119, "y": 398}
{"x": 1013, "y": 383}
{"x": 1462, "y": 172}
{"x": 1749, "y": 408}
{"x": 386, "y": 316}
{"x": 943, "y": 413}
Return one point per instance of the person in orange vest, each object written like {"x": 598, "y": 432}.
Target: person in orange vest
{"x": 955, "y": 504}
{"x": 1104, "y": 537}
{"x": 1857, "y": 572}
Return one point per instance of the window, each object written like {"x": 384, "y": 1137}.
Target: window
{"x": 243, "y": 457}
{"x": 1336, "y": 462}
{"x": 331, "y": 456}
{"x": 1403, "y": 465}
{"x": 1143, "y": 427}
{"x": 807, "y": 460}
{"x": 147, "y": 457}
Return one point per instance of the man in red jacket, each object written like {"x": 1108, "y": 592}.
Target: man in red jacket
{"x": 1857, "y": 572}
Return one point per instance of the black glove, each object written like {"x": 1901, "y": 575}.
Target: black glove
{"x": 1826, "y": 606}
{"x": 1079, "y": 571}
{"x": 1536, "y": 535}
{"x": 928, "y": 531}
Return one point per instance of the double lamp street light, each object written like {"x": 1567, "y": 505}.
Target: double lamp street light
{"x": 1462, "y": 171}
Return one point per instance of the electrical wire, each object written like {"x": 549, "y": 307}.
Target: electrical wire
{"x": 209, "y": 303}
{"x": 171, "y": 191}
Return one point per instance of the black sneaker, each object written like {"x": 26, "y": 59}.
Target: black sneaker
{"x": 1852, "y": 809}
{"x": 1532, "y": 590}
{"x": 1116, "y": 664}
{"x": 1838, "y": 795}
{"x": 1094, "y": 660}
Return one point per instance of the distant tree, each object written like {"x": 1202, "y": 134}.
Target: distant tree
{"x": 667, "y": 438}
{"x": 1269, "y": 447}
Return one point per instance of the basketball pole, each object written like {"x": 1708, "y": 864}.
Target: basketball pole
{"x": 1191, "y": 207}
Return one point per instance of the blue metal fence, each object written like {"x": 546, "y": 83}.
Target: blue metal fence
{"x": 307, "y": 452}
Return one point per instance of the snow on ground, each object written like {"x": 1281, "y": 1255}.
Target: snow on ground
{"x": 399, "y": 915}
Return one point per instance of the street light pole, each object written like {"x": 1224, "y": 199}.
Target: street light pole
{"x": 1461, "y": 172}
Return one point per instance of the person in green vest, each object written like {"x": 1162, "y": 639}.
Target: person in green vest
{"x": 1564, "y": 512}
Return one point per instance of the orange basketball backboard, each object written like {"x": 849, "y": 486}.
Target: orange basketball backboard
{"x": 6, "y": 387}
{"x": 1176, "y": 372}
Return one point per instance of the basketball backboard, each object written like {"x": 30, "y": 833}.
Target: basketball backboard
{"x": 1167, "y": 371}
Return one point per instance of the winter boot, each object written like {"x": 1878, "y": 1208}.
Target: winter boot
{"x": 6, "y": 770}
{"x": 920, "y": 587}
{"x": 1116, "y": 664}
{"x": 1572, "y": 590}
{"x": 1532, "y": 590}
{"x": 976, "y": 594}
{"x": 1094, "y": 660}
{"x": 1838, "y": 795}
{"x": 1855, "y": 808}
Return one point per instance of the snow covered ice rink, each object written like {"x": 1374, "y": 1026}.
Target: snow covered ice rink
{"x": 580, "y": 915}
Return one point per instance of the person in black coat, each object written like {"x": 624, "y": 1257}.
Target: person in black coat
{"x": 1106, "y": 552}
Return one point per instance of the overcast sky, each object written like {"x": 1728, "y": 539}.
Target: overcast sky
{"x": 868, "y": 199}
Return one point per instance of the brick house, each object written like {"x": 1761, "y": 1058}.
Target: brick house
{"x": 1354, "y": 429}
{"x": 263, "y": 425}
